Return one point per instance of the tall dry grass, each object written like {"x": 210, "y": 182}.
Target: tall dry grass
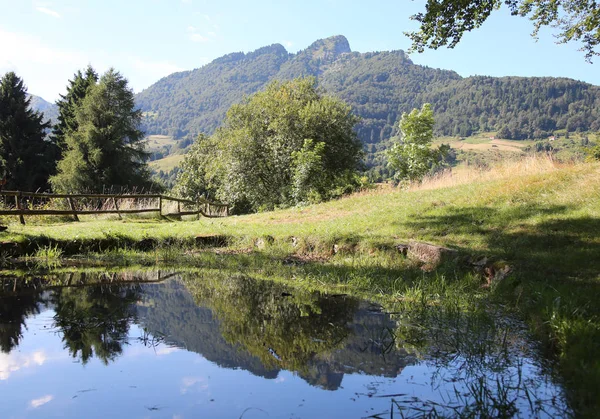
{"x": 528, "y": 165}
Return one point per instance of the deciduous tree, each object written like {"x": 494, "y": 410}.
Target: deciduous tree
{"x": 286, "y": 145}
{"x": 412, "y": 156}
{"x": 445, "y": 21}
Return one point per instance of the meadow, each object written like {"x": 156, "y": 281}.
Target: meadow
{"x": 539, "y": 217}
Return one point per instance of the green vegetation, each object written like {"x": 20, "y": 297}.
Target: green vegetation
{"x": 445, "y": 21}
{"x": 540, "y": 219}
{"x": 285, "y": 146}
{"x": 379, "y": 87}
{"x": 68, "y": 104}
{"x": 103, "y": 142}
{"x": 412, "y": 156}
{"x": 26, "y": 160}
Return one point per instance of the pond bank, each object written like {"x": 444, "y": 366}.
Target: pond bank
{"x": 545, "y": 226}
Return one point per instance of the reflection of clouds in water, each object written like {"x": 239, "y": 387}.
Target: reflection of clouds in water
{"x": 166, "y": 350}
{"x": 35, "y": 403}
{"x": 12, "y": 362}
{"x": 198, "y": 384}
{"x": 280, "y": 379}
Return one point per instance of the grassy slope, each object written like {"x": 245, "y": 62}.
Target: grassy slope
{"x": 476, "y": 216}
{"x": 545, "y": 222}
{"x": 168, "y": 163}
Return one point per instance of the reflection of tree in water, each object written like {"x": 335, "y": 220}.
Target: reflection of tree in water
{"x": 285, "y": 329}
{"x": 478, "y": 359}
{"x": 14, "y": 310}
{"x": 95, "y": 319}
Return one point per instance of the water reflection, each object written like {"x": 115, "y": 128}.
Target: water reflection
{"x": 426, "y": 362}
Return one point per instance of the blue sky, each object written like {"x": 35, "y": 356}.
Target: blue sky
{"x": 45, "y": 42}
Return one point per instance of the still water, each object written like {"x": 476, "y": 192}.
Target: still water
{"x": 168, "y": 345}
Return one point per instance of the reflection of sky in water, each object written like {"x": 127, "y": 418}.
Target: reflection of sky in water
{"x": 40, "y": 379}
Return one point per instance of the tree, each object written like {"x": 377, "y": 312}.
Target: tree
{"x": 77, "y": 89}
{"x": 274, "y": 143}
{"x": 26, "y": 158}
{"x": 193, "y": 181}
{"x": 412, "y": 156}
{"x": 105, "y": 149}
{"x": 445, "y": 21}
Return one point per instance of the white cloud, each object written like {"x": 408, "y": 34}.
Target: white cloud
{"x": 48, "y": 12}
{"x": 166, "y": 350}
{"x": 44, "y": 69}
{"x": 199, "y": 384}
{"x": 12, "y": 362}
{"x": 35, "y": 403}
{"x": 288, "y": 44}
{"x": 195, "y": 36}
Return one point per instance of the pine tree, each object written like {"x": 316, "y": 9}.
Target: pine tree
{"x": 77, "y": 89}
{"x": 105, "y": 151}
{"x": 26, "y": 158}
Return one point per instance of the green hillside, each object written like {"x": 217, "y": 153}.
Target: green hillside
{"x": 379, "y": 86}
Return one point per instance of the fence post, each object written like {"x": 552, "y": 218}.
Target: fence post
{"x": 117, "y": 208}
{"x": 160, "y": 205}
{"x": 72, "y": 206}
{"x": 18, "y": 202}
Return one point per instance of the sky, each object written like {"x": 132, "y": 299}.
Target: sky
{"x": 46, "y": 42}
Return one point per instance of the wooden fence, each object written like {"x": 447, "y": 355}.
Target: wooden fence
{"x": 75, "y": 205}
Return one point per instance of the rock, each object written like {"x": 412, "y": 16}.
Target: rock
{"x": 264, "y": 241}
{"x": 402, "y": 248}
{"x": 496, "y": 272}
{"x": 211, "y": 240}
{"x": 431, "y": 254}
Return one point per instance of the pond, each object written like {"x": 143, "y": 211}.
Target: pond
{"x": 159, "y": 344}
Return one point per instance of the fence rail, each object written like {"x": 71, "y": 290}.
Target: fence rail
{"x": 22, "y": 205}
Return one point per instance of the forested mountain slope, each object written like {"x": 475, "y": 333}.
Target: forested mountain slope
{"x": 379, "y": 86}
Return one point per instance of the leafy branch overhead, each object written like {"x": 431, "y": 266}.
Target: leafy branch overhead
{"x": 445, "y": 21}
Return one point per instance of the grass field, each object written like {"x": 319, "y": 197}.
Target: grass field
{"x": 484, "y": 142}
{"x": 168, "y": 163}
{"x": 540, "y": 217}
{"x": 157, "y": 142}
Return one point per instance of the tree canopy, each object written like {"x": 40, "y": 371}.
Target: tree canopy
{"x": 286, "y": 145}
{"x": 445, "y": 21}
{"x": 67, "y": 105}
{"x": 412, "y": 156}
{"x": 26, "y": 158}
{"x": 103, "y": 147}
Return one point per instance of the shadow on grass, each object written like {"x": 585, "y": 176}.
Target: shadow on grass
{"x": 556, "y": 282}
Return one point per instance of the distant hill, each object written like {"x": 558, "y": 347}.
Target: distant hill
{"x": 379, "y": 86}
{"x": 50, "y": 110}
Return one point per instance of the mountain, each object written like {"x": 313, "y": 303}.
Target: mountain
{"x": 379, "y": 86}
{"x": 50, "y": 110}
